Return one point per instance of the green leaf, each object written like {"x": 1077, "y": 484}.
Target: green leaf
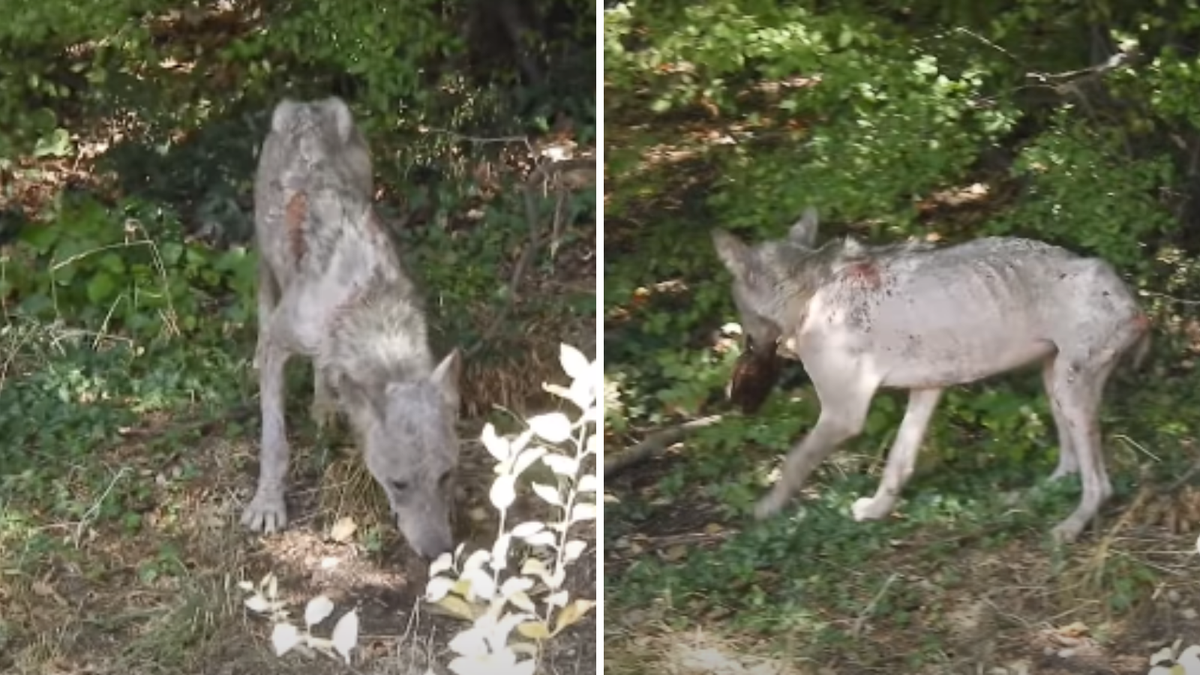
{"x": 101, "y": 287}
{"x": 40, "y": 237}
{"x": 57, "y": 144}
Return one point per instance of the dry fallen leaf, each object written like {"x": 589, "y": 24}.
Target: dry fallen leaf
{"x": 675, "y": 553}
{"x": 343, "y": 529}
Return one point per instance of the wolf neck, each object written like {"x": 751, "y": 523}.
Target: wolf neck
{"x": 800, "y": 275}
{"x": 382, "y": 335}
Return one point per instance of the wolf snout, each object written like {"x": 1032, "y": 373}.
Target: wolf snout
{"x": 428, "y": 542}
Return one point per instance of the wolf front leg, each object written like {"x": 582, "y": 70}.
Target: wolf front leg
{"x": 267, "y": 512}
{"x": 845, "y": 393}
{"x": 268, "y": 297}
{"x": 902, "y": 458}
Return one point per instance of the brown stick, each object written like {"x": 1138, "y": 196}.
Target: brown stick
{"x": 655, "y": 445}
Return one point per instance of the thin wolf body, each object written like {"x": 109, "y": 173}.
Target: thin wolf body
{"x": 922, "y": 318}
{"x": 331, "y": 288}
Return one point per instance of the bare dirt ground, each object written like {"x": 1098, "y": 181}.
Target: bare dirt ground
{"x": 1012, "y": 609}
{"x": 167, "y": 600}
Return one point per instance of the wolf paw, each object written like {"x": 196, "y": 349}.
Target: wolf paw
{"x": 323, "y": 413}
{"x": 266, "y": 513}
{"x": 770, "y": 505}
{"x": 868, "y": 508}
{"x": 1067, "y": 531}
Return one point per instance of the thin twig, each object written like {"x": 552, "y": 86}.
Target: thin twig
{"x": 1137, "y": 446}
{"x": 987, "y": 42}
{"x": 861, "y": 621}
{"x": 477, "y": 140}
{"x": 95, "y": 507}
{"x": 655, "y": 444}
{"x": 1172, "y": 298}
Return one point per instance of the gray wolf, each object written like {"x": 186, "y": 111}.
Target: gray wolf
{"x": 331, "y": 288}
{"x": 922, "y": 318}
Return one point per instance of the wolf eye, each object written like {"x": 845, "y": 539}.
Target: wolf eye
{"x": 399, "y": 485}
{"x": 445, "y": 478}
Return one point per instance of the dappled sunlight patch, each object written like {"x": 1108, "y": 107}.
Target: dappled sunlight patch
{"x": 694, "y": 652}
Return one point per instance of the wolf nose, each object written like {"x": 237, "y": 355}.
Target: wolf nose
{"x": 432, "y": 549}
{"x": 431, "y": 544}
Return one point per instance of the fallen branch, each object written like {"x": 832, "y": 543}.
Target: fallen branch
{"x": 655, "y": 445}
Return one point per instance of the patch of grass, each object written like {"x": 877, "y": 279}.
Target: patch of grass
{"x": 683, "y": 548}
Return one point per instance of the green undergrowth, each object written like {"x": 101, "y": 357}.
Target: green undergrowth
{"x": 803, "y": 575}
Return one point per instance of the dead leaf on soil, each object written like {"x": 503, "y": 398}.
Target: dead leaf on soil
{"x": 343, "y": 529}
{"x": 675, "y": 553}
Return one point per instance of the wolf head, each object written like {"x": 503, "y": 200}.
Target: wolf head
{"x": 765, "y": 275}
{"x": 410, "y": 447}
{"x": 307, "y": 134}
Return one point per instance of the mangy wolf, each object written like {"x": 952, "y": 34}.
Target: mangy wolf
{"x": 922, "y": 318}
{"x": 331, "y": 288}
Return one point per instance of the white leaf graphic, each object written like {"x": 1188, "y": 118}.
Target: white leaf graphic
{"x": 543, "y": 538}
{"x": 573, "y": 362}
{"x": 476, "y": 560}
{"x": 583, "y": 512}
{"x": 522, "y": 440}
{"x": 528, "y": 528}
{"x": 558, "y": 599}
{"x": 582, "y": 393}
{"x": 496, "y": 445}
{"x": 316, "y": 610}
{"x": 503, "y": 491}
{"x": 562, "y": 465}
{"x": 345, "y": 634}
{"x": 258, "y": 603}
{"x": 548, "y": 494}
{"x": 444, "y": 563}
{"x": 513, "y": 585}
{"x": 284, "y": 637}
{"x": 469, "y": 643}
{"x": 521, "y": 601}
{"x": 586, "y": 484}
{"x": 552, "y": 427}
{"x": 527, "y": 458}
{"x": 437, "y": 588}
{"x": 482, "y": 585}
{"x": 573, "y": 550}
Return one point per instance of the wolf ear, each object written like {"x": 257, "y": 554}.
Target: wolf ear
{"x": 804, "y": 231}
{"x": 283, "y": 114}
{"x": 339, "y": 112}
{"x": 733, "y": 252}
{"x": 446, "y": 375}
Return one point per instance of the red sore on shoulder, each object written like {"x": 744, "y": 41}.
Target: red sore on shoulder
{"x": 865, "y": 274}
{"x": 294, "y": 215}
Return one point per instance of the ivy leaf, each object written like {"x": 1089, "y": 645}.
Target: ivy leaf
{"x": 101, "y": 287}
